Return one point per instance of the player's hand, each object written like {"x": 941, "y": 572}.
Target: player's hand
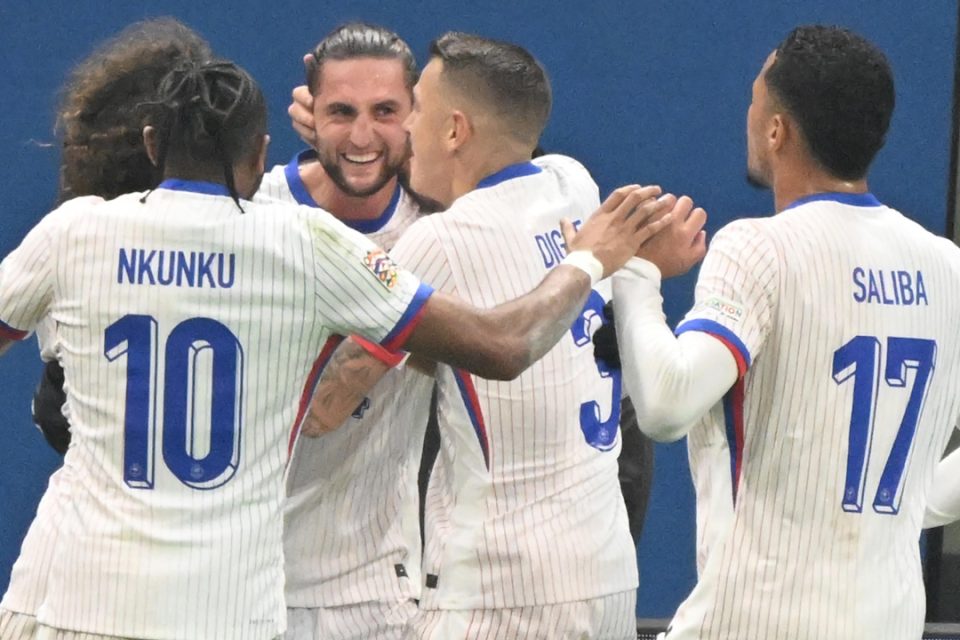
{"x": 628, "y": 218}
{"x": 605, "y": 340}
{"x": 48, "y": 401}
{"x": 301, "y": 113}
{"x": 682, "y": 244}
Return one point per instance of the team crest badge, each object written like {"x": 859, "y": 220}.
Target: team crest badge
{"x": 382, "y": 266}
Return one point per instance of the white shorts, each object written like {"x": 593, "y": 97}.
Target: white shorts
{"x": 610, "y": 617}
{"x": 368, "y": 620}
{"x": 17, "y": 626}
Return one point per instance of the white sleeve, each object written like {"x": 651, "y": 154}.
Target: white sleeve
{"x": 27, "y": 281}
{"x": 363, "y": 290}
{"x": 737, "y": 289}
{"x": 671, "y": 380}
{"x": 943, "y": 503}
{"x": 421, "y": 251}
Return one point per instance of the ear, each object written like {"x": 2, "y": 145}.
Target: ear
{"x": 262, "y": 154}
{"x": 151, "y": 144}
{"x": 460, "y": 131}
{"x": 779, "y": 132}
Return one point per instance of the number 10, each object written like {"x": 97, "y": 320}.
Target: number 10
{"x": 860, "y": 359}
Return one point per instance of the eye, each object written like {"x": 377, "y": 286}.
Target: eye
{"x": 385, "y": 111}
{"x": 341, "y": 110}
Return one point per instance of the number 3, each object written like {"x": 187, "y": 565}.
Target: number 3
{"x": 599, "y": 433}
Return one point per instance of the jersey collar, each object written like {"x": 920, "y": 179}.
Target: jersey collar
{"x": 509, "y": 173}
{"x": 302, "y": 195}
{"x": 852, "y": 199}
{"x": 195, "y": 186}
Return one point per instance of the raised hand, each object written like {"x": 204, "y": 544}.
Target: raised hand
{"x": 627, "y": 219}
{"x": 681, "y": 244}
{"x": 301, "y": 112}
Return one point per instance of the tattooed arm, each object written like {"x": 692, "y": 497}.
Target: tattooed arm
{"x": 345, "y": 381}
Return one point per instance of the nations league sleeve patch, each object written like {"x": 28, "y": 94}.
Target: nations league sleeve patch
{"x": 721, "y": 308}
{"x": 380, "y": 265}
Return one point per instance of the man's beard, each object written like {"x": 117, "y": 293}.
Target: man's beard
{"x": 335, "y": 172}
{"x": 757, "y": 181}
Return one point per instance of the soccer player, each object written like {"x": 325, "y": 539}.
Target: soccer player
{"x": 526, "y": 532}
{"x": 351, "y": 532}
{"x": 189, "y": 322}
{"x": 822, "y": 355}
{"x": 97, "y": 120}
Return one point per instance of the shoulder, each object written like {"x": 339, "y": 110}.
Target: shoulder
{"x": 750, "y": 231}
{"x": 566, "y": 169}
{"x": 562, "y": 164}
{"x": 77, "y": 209}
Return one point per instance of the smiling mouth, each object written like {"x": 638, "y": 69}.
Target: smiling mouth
{"x": 361, "y": 158}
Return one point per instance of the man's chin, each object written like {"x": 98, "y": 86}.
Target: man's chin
{"x": 363, "y": 187}
{"x": 757, "y": 182}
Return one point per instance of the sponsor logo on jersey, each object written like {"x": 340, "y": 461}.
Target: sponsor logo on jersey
{"x": 382, "y": 266}
{"x": 724, "y": 307}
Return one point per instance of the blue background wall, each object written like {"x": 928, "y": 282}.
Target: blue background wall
{"x": 644, "y": 92}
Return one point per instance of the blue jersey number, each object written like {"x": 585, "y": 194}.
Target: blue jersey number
{"x": 860, "y": 359}
{"x": 190, "y": 342}
{"x": 599, "y": 433}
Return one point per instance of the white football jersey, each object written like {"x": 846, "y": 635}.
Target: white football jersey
{"x": 189, "y": 332}
{"x": 524, "y": 506}
{"x": 811, "y": 475}
{"x": 284, "y": 183}
{"x": 351, "y": 519}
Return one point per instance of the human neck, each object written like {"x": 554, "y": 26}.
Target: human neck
{"x": 807, "y": 180}
{"x": 473, "y": 165}
{"x": 344, "y": 206}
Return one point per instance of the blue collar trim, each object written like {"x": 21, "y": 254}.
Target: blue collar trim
{"x": 195, "y": 186}
{"x": 852, "y": 199}
{"x": 509, "y": 173}
{"x": 302, "y": 195}
{"x": 292, "y": 173}
{"x": 369, "y": 226}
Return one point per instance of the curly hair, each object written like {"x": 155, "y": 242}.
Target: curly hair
{"x": 99, "y": 119}
{"x": 840, "y": 89}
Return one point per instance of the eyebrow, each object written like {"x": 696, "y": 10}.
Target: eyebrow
{"x": 388, "y": 103}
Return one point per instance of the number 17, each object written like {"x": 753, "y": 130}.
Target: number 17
{"x": 860, "y": 359}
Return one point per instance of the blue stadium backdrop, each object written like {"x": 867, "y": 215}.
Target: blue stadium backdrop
{"x": 650, "y": 91}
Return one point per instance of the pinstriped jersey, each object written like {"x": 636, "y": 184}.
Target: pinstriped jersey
{"x": 351, "y": 518}
{"x": 29, "y": 575}
{"x": 524, "y": 507}
{"x": 812, "y": 474}
{"x": 188, "y": 332}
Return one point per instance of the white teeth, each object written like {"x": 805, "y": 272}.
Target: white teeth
{"x": 362, "y": 158}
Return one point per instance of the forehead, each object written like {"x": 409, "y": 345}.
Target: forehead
{"x": 759, "y": 83}
{"x": 430, "y": 75}
{"x": 362, "y": 79}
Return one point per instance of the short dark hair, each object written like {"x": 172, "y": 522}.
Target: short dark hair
{"x": 505, "y": 76}
{"x": 361, "y": 40}
{"x": 210, "y": 114}
{"x": 98, "y": 118}
{"x": 839, "y": 88}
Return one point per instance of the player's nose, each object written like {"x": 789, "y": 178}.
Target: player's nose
{"x": 361, "y": 133}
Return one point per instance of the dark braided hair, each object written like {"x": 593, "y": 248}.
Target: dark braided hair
{"x": 208, "y": 113}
